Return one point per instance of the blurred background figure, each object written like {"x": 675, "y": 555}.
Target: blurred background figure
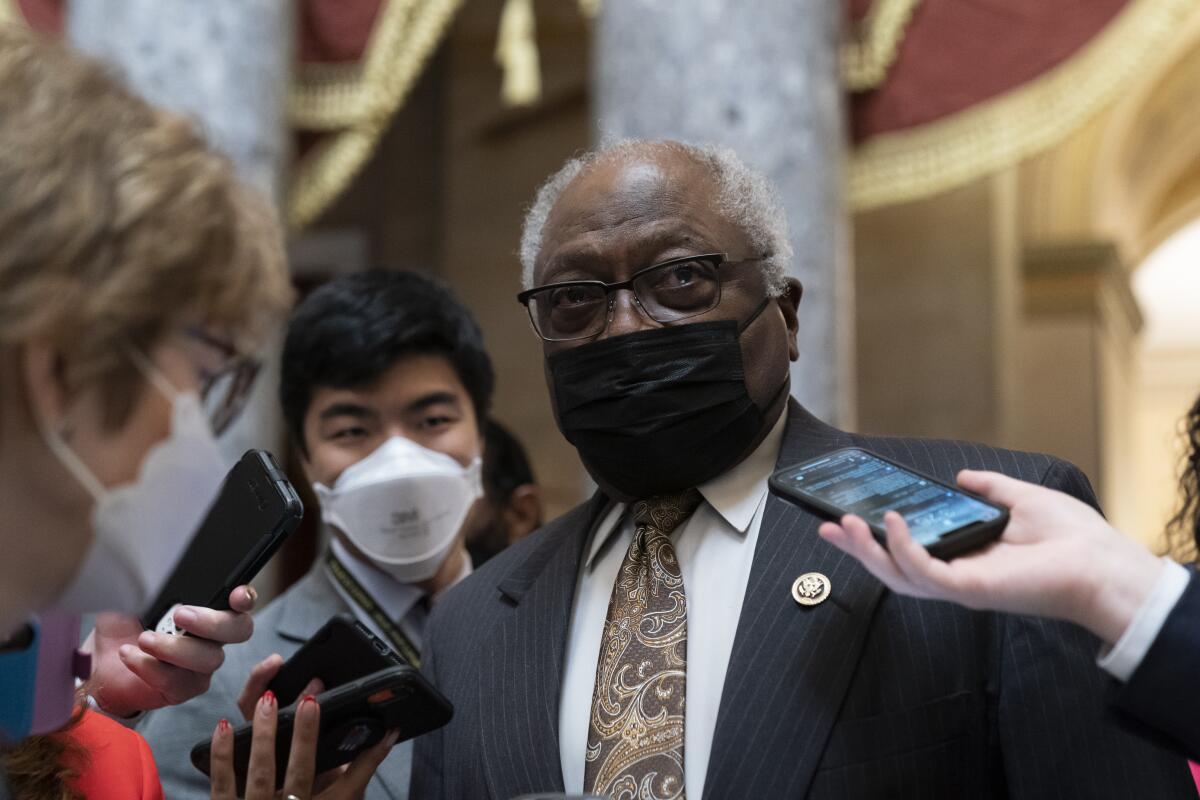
{"x": 511, "y": 507}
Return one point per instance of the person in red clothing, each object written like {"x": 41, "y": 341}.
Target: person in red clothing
{"x": 111, "y": 761}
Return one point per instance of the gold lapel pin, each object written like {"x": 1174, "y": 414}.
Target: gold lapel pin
{"x": 811, "y": 588}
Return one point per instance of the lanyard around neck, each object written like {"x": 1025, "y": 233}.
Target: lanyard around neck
{"x": 363, "y": 599}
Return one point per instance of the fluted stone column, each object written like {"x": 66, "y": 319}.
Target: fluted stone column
{"x": 762, "y": 77}
{"x": 226, "y": 63}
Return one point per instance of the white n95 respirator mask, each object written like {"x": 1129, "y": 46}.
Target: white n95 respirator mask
{"x": 140, "y": 529}
{"x": 402, "y": 506}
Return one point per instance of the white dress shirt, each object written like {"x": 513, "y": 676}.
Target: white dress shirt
{"x": 1126, "y": 655}
{"x": 401, "y": 601}
{"x": 715, "y": 548}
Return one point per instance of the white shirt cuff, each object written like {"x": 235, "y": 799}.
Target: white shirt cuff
{"x": 1123, "y": 658}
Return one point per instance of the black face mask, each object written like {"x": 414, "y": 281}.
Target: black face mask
{"x": 661, "y": 410}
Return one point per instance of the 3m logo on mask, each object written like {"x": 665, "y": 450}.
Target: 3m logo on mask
{"x": 405, "y": 517}
{"x": 406, "y": 524}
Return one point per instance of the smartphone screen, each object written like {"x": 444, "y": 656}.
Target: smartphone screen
{"x": 857, "y": 482}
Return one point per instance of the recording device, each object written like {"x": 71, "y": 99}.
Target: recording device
{"x": 945, "y": 519}
{"x": 354, "y": 717}
{"x": 343, "y": 650}
{"x": 256, "y": 510}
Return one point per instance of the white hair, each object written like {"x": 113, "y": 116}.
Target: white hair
{"x": 744, "y": 196}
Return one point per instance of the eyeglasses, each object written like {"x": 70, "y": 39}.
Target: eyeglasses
{"x": 224, "y": 392}
{"x": 666, "y": 292}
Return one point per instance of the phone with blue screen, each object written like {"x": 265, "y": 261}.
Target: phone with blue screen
{"x": 945, "y": 519}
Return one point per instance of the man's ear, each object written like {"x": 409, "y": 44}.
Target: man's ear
{"x": 789, "y": 305}
{"x": 43, "y": 372}
{"x": 523, "y": 513}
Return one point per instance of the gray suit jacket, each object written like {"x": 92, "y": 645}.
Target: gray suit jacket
{"x": 281, "y": 627}
{"x": 866, "y": 695}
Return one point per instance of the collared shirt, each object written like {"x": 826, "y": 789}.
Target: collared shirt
{"x": 1126, "y": 655}
{"x": 715, "y": 548}
{"x": 401, "y": 601}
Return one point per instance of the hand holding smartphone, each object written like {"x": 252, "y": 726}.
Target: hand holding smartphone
{"x": 343, "y": 650}
{"x": 944, "y": 518}
{"x": 254, "y": 513}
{"x": 353, "y": 718}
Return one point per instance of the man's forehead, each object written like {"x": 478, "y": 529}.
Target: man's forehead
{"x": 410, "y": 379}
{"x": 657, "y": 200}
{"x": 626, "y": 176}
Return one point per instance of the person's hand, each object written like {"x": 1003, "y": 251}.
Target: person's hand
{"x": 137, "y": 670}
{"x": 350, "y": 781}
{"x": 1057, "y": 557}
{"x": 260, "y": 678}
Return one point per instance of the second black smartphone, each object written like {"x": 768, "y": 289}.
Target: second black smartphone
{"x": 945, "y": 519}
{"x": 343, "y": 650}
{"x": 255, "y": 511}
{"x": 353, "y": 718}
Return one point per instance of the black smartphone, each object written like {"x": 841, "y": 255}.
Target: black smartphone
{"x": 947, "y": 520}
{"x": 255, "y": 511}
{"x": 343, "y": 650}
{"x": 354, "y": 717}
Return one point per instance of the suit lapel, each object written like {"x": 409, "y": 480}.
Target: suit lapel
{"x": 521, "y": 668}
{"x": 790, "y": 665}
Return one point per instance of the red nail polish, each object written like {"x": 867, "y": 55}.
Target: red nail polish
{"x": 223, "y": 726}
{"x": 268, "y": 697}
{"x": 308, "y": 698}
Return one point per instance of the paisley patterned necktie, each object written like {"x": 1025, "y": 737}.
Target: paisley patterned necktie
{"x": 635, "y": 740}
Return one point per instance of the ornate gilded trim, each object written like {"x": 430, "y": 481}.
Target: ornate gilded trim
{"x": 869, "y": 54}
{"x": 354, "y": 103}
{"x": 910, "y": 164}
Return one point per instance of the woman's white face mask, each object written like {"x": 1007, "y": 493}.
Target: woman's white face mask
{"x": 402, "y": 506}
{"x": 140, "y": 529}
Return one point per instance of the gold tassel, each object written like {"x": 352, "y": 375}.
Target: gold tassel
{"x": 517, "y": 54}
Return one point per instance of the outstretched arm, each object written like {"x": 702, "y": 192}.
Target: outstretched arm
{"x": 1056, "y": 558}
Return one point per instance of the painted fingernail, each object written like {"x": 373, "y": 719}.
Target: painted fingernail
{"x": 308, "y": 698}
{"x": 268, "y": 699}
{"x": 185, "y": 616}
{"x": 223, "y": 726}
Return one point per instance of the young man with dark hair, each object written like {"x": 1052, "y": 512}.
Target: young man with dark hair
{"x": 384, "y": 387}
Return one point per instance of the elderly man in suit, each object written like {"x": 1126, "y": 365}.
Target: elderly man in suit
{"x": 649, "y": 644}
{"x": 384, "y": 382}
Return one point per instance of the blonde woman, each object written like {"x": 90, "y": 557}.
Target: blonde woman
{"x": 136, "y": 277}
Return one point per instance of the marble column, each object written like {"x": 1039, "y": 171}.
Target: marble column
{"x": 227, "y": 64}
{"x": 760, "y": 76}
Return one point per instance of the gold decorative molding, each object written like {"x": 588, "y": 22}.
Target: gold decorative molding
{"x": 870, "y": 53}
{"x": 354, "y": 103}
{"x": 517, "y": 54}
{"x": 910, "y": 164}
{"x": 1085, "y": 277}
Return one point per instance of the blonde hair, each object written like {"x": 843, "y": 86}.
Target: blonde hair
{"x": 117, "y": 222}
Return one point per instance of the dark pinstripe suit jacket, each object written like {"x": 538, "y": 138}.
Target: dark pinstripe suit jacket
{"x": 867, "y": 695}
